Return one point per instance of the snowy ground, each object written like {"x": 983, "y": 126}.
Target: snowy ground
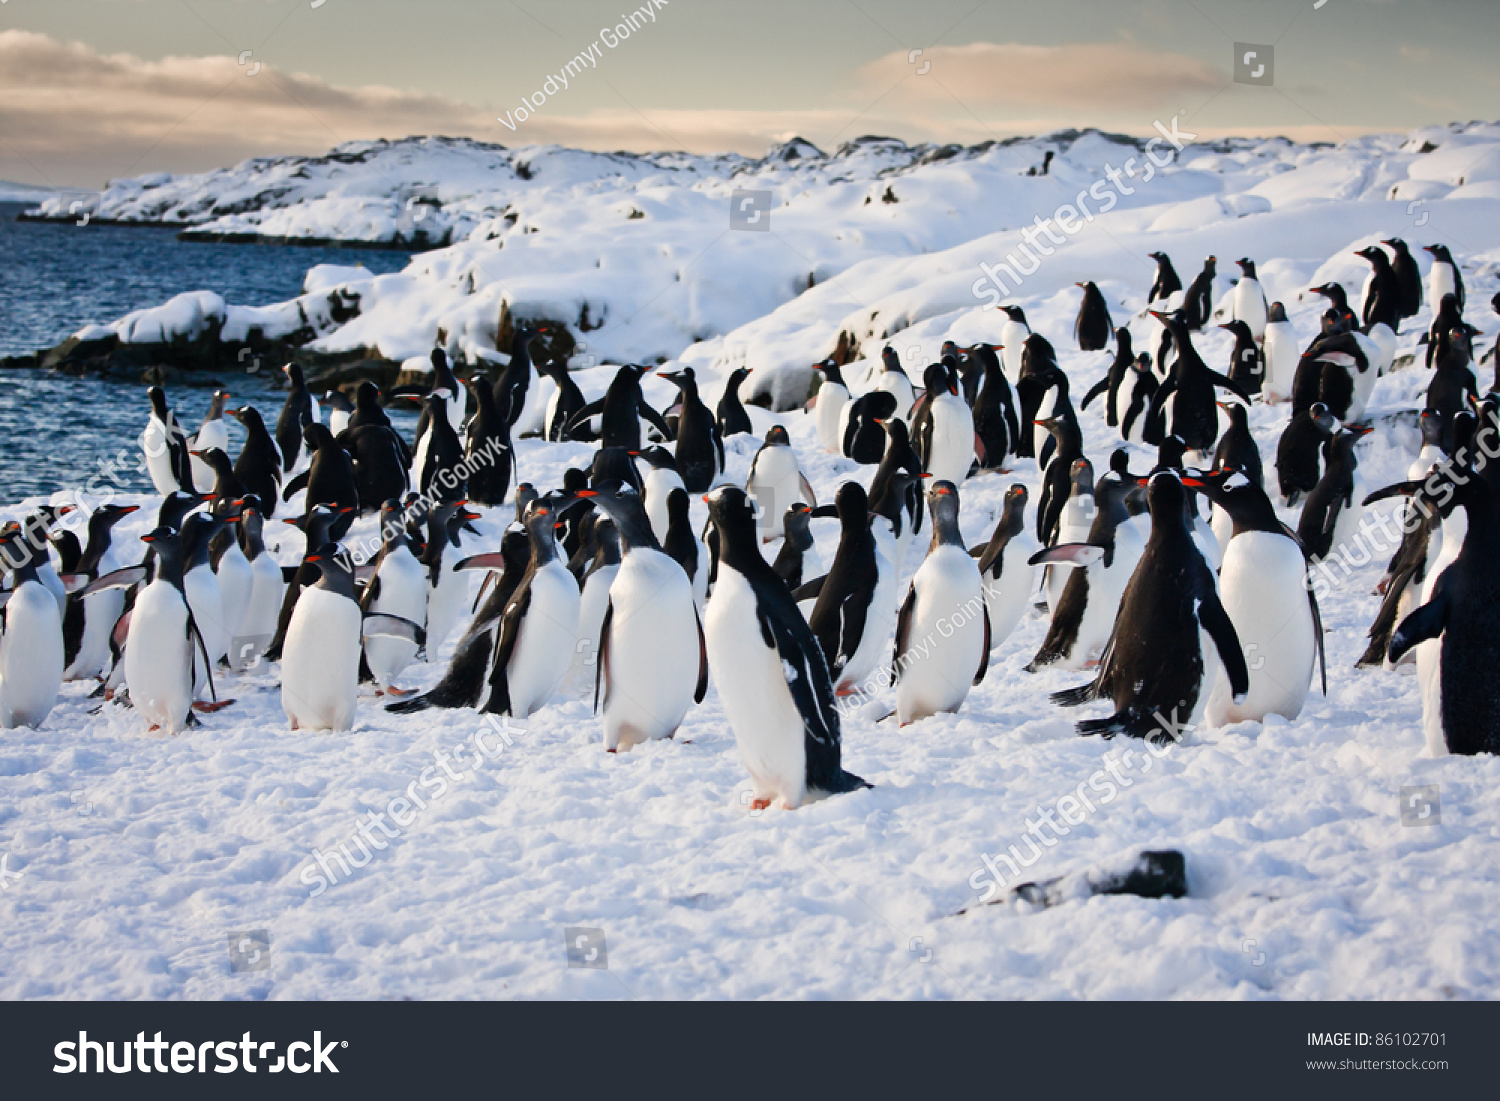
{"x": 142, "y": 856}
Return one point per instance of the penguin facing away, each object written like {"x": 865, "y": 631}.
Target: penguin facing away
{"x": 731, "y": 414}
{"x": 1005, "y": 567}
{"x": 258, "y": 466}
{"x": 397, "y": 587}
{"x": 31, "y": 639}
{"x": 1093, "y": 327}
{"x": 856, "y": 601}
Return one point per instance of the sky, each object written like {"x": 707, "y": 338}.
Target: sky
{"x": 97, "y": 89}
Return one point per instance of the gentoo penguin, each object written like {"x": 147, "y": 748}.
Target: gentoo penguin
{"x": 259, "y": 464}
{"x": 1281, "y": 355}
{"x": 1249, "y": 301}
{"x": 1382, "y": 302}
{"x": 1247, "y": 362}
{"x": 1443, "y": 277}
{"x": 512, "y": 389}
{"x": 658, "y": 484}
{"x": 944, "y": 437}
{"x": 685, "y": 547}
{"x": 792, "y": 562}
{"x": 1135, "y": 420}
{"x": 970, "y": 371}
{"x": 1073, "y": 524}
{"x": 1057, "y": 476}
{"x": 31, "y": 639}
{"x": 329, "y": 480}
{"x": 340, "y": 410}
{"x": 856, "y": 601}
{"x": 653, "y": 660}
{"x": 488, "y": 450}
{"x": 1446, "y": 317}
{"x": 731, "y": 414}
{"x": 37, "y": 530}
{"x": 1093, "y": 326}
{"x": 1237, "y": 449}
{"x": 1013, "y": 336}
{"x": 267, "y": 590}
{"x": 165, "y": 445}
{"x": 1198, "y": 302}
{"x": 598, "y": 576}
{"x": 779, "y": 697}
{"x": 995, "y": 429}
{"x": 438, "y": 461}
{"x": 1265, "y": 591}
{"x": 612, "y": 464}
{"x": 88, "y": 621}
{"x": 829, "y": 404}
{"x": 776, "y": 481}
{"x": 899, "y": 456}
{"x": 1158, "y": 662}
{"x": 226, "y": 487}
{"x": 1408, "y": 277}
{"x": 315, "y": 524}
{"x": 1039, "y": 377}
{"x": 564, "y": 404}
{"x": 1195, "y": 414}
{"x": 1405, "y": 576}
{"x": 864, "y": 438}
{"x": 1005, "y": 567}
{"x": 1453, "y": 387}
{"x": 1338, "y": 301}
{"x": 620, "y": 411}
{"x": 447, "y": 587}
{"x": 201, "y": 585}
{"x": 380, "y": 463}
{"x": 1331, "y": 504}
{"x": 367, "y": 407}
{"x": 1113, "y": 378}
{"x": 1462, "y": 693}
{"x": 893, "y": 379}
{"x": 320, "y": 661}
{"x": 235, "y": 575}
{"x": 296, "y": 414}
{"x": 211, "y": 433}
{"x": 931, "y": 664}
{"x": 444, "y": 385}
{"x": 398, "y": 587}
{"x": 1166, "y": 283}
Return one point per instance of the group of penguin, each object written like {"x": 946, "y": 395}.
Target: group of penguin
{"x": 604, "y": 577}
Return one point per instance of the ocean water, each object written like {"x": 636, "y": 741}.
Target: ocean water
{"x": 57, "y": 433}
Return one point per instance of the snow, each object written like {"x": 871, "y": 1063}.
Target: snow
{"x": 139, "y": 855}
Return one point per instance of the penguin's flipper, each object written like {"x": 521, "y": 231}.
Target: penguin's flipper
{"x": 1215, "y": 620}
{"x": 510, "y": 632}
{"x": 807, "y": 490}
{"x": 118, "y": 579}
{"x": 384, "y": 625}
{"x": 1078, "y": 554}
{"x": 812, "y": 693}
{"x": 903, "y": 628}
{"x": 1100, "y": 387}
{"x": 1317, "y": 618}
{"x": 74, "y": 582}
{"x": 194, "y": 634}
{"x": 984, "y": 656}
{"x": 493, "y": 561}
{"x": 702, "y": 687}
{"x": 602, "y": 658}
{"x": 299, "y": 482}
{"x": 657, "y": 421}
{"x": 809, "y": 590}
{"x": 289, "y": 574}
{"x": 1424, "y": 624}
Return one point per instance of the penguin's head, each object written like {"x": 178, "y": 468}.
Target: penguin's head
{"x": 1277, "y": 313}
{"x": 158, "y": 398}
{"x": 294, "y": 373}
{"x": 936, "y": 380}
{"x": 1015, "y": 313}
{"x": 317, "y": 436}
{"x": 1165, "y": 496}
{"x": 897, "y": 434}
{"x": 1320, "y": 415}
{"x": 733, "y": 515}
{"x": 1081, "y": 474}
{"x": 776, "y": 436}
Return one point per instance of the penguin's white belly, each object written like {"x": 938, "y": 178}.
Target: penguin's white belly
{"x": 1262, "y": 590}
{"x": 338, "y": 420}
{"x": 158, "y": 456}
{"x": 535, "y": 410}
{"x": 774, "y": 484}
{"x": 554, "y": 396}
{"x": 952, "y": 440}
{"x": 1346, "y": 524}
{"x": 403, "y": 593}
{"x": 211, "y": 435}
{"x": 875, "y": 641}
{"x": 547, "y": 640}
{"x": 236, "y": 582}
{"x": 1455, "y": 529}
{"x": 899, "y": 385}
{"x": 1439, "y": 282}
{"x": 47, "y": 575}
{"x": 591, "y": 608}
{"x": 1281, "y": 361}
{"x": 700, "y": 578}
{"x": 832, "y": 401}
{"x": 31, "y": 657}
{"x": 1222, "y": 525}
{"x": 447, "y": 600}
{"x": 659, "y": 485}
{"x": 1106, "y": 590}
{"x": 1250, "y": 306}
{"x": 945, "y": 636}
{"x": 158, "y": 661}
{"x": 207, "y": 603}
{"x": 1073, "y": 526}
{"x": 258, "y": 625}
{"x": 1422, "y": 465}
{"x": 100, "y": 614}
{"x": 1043, "y": 411}
{"x": 1012, "y": 336}
{"x": 320, "y": 662}
{"x": 652, "y": 667}
{"x": 1208, "y": 546}
{"x": 1009, "y": 595}
{"x": 752, "y": 685}
{"x": 418, "y": 458}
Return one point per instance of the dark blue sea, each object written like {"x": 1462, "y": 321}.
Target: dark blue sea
{"x": 54, "y": 279}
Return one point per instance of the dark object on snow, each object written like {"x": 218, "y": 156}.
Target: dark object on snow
{"x": 1154, "y": 874}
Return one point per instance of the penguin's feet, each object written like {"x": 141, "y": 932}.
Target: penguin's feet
{"x": 760, "y": 804}
{"x": 210, "y": 708}
{"x": 394, "y": 691}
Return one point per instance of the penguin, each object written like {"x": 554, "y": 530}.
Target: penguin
{"x": 620, "y": 411}
{"x": 1166, "y": 283}
{"x": 316, "y": 525}
{"x": 565, "y": 404}
{"x": 792, "y": 559}
{"x": 1013, "y": 335}
{"x": 1198, "y": 302}
{"x": 340, "y": 410}
{"x": 1264, "y": 587}
{"x": 1157, "y": 662}
{"x": 489, "y": 453}
{"x": 37, "y": 531}
{"x": 447, "y": 586}
{"x": 1249, "y": 301}
{"x": 88, "y": 622}
{"x": 1281, "y": 354}
{"x": 235, "y": 575}
{"x": 681, "y": 544}
{"x": 1237, "y": 449}
{"x": 731, "y": 415}
{"x": 1005, "y": 567}
{"x": 329, "y": 479}
{"x": 226, "y": 488}
{"x": 906, "y": 517}
{"x": 864, "y": 438}
{"x": 1114, "y": 378}
{"x": 1074, "y": 522}
{"x": 397, "y": 587}
{"x": 1335, "y": 370}
{"x": 856, "y": 601}
{"x": 211, "y": 433}
{"x": 1137, "y": 416}
{"x": 700, "y": 449}
{"x": 165, "y": 445}
{"x": 653, "y": 658}
{"x": 893, "y": 379}
{"x": 1057, "y": 476}
{"x": 367, "y": 408}
{"x": 1039, "y": 376}
{"x": 1195, "y": 416}
{"x": 1446, "y": 317}
{"x": 381, "y": 463}
{"x": 1247, "y": 362}
{"x": 296, "y": 415}
{"x": 970, "y": 371}
{"x": 1405, "y": 575}
{"x": 780, "y": 697}
{"x": 775, "y": 481}
{"x": 512, "y": 389}
{"x": 262, "y": 610}
{"x": 1383, "y": 292}
{"x": 944, "y": 438}
{"x": 259, "y": 464}
{"x": 31, "y": 639}
{"x": 1329, "y": 507}
{"x": 995, "y": 429}
{"x": 657, "y": 486}
{"x": 1093, "y": 326}
{"x": 594, "y": 601}
{"x": 1453, "y": 387}
{"x": 829, "y": 405}
{"x": 943, "y": 628}
{"x": 1408, "y": 278}
{"x": 1443, "y": 277}
{"x": 582, "y": 557}
{"x": 205, "y": 597}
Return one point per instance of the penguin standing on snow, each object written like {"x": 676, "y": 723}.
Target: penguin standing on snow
{"x": 211, "y": 433}
{"x": 682, "y": 545}
{"x": 1249, "y": 301}
{"x": 380, "y": 463}
{"x": 829, "y": 405}
{"x": 1057, "y": 476}
{"x": 1298, "y": 453}
{"x": 1383, "y": 291}
{"x": 259, "y": 464}
{"x": 1247, "y": 362}
{"x": 864, "y": 438}
{"x": 1013, "y": 336}
{"x": 88, "y": 621}
{"x": 1093, "y": 326}
{"x": 1039, "y": 377}
{"x": 1408, "y": 277}
{"x": 340, "y": 409}
{"x": 398, "y": 587}
{"x": 488, "y": 451}
{"x": 1157, "y": 661}
{"x": 1135, "y": 421}
{"x": 620, "y": 411}
{"x": 1198, "y": 303}
{"x": 946, "y": 592}
{"x": 329, "y": 478}
{"x": 1195, "y": 413}
{"x": 440, "y": 450}
{"x": 31, "y": 639}
{"x": 653, "y": 659}
{"x": 1113, "y": 379}
{"x": 944, "y": 437}
{"x": 792, "y": 559}
{"x": 1005, "y": 567}
{"x": 598, "y": 576}
{"x": 1281, "y": 355}
{"x": 700, "y": 449}
{"x": 367, "y": 408}
{"x": 899, "y": 456}
{"x": 447, "y": 587}
{"x": 1166, "y": 283}
{"x": 779, "y": 698}
{"x": 1444, "y": 277}
{"x": 315, "y": 524}
{"x": 893, "y": 379}
{"x": 296, "y": 415}
{"x": 995, "y": 429}
{"x": 564, "y": 404}
{"x": 165, "y": 444}
{"x": 856, "y": 600}
{"x": 267, "y": 590}
{"x": 732, "y": 417}
{"x": 1237, "y": 449}
{"x": 1331, "y": 503}
{"x": 776, "y": 481}
{"x": 658, "y": 485}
